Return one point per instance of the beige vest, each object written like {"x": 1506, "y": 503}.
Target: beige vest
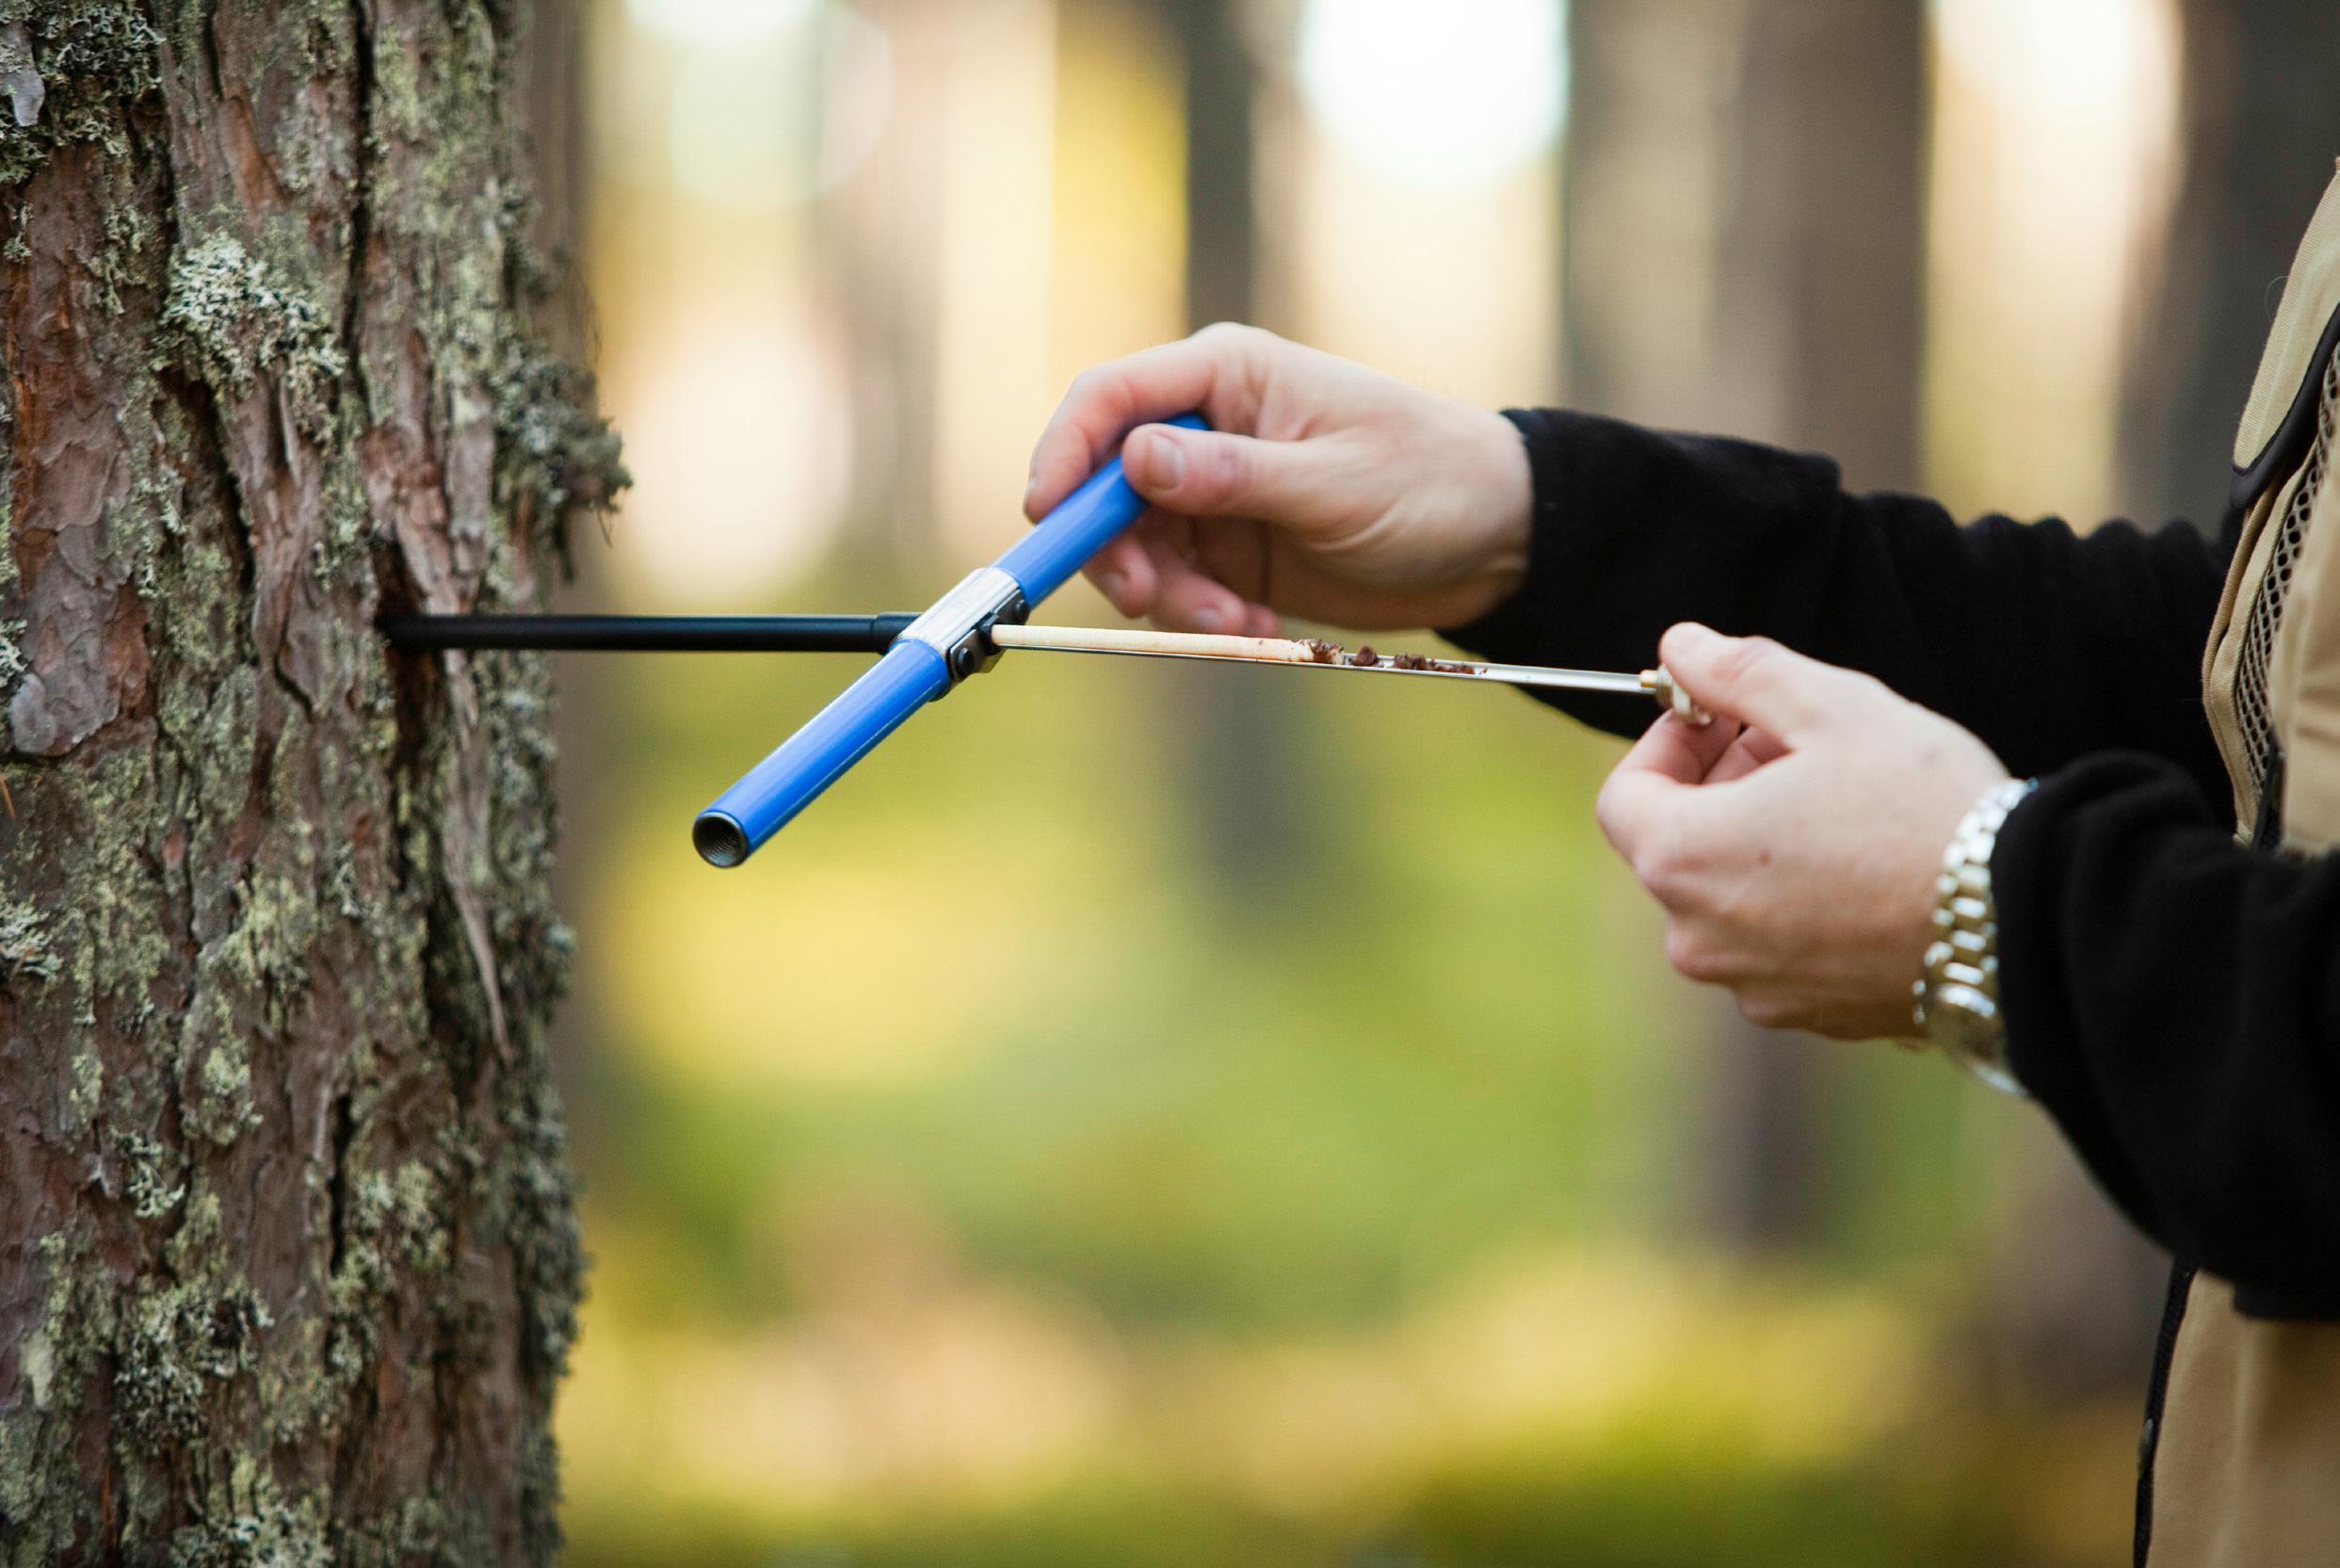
{"x": 2246, "y": 1472}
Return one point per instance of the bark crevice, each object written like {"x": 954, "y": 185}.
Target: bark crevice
{"x": 288, "y": 1255}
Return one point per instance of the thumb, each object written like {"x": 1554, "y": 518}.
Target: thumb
{"x": 1211, "y": 473}
{"x": 1761, "y": 685}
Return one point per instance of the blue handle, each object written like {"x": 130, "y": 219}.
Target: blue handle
{"x": 1044, "y": 559}
{"x": 911, "y": 674}
{"x": 908, "y": 677}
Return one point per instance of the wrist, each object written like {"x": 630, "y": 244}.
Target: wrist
{"x": 1956, "y": 995}
{"x": 1502, "y": 491}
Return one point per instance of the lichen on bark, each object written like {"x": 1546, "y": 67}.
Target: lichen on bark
{"x": 289, "y": 1263}
{"x": 227, "y": 315}
{"x": 65, "y": 68}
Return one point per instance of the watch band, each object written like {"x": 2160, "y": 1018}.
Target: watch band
{"x": 1956, "y": 994}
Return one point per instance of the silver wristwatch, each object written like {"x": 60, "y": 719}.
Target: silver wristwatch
{"x": 1958, "y": 994}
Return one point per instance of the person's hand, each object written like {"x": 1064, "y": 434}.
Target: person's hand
{"x": 1322, "y": 489}
{"x": 1794, "y": 843}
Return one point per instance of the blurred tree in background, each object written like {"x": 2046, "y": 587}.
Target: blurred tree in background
{"x": 1744, "y": 190}
{"x": 1253, "y": 828}
{"x": 2257, "y": 134}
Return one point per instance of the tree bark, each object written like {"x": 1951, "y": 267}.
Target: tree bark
{"x": 288, "y": 1261}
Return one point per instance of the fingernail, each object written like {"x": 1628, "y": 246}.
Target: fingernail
{"x": 1164, "y": 463}
{"x": 1110, "y": 583}
{"x": 1208, "y": 619}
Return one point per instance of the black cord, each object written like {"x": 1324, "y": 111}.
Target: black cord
{"x": 649, "y": 634}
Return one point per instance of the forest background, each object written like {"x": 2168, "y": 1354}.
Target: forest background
{"x": 1153, "y": 1116}
{"x": 1286, "y": 1144}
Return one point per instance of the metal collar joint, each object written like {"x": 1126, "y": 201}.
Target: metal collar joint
{"x": 957, "y": 625}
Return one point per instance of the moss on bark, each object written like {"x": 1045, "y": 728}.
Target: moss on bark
{"x": 290, "y": 1263}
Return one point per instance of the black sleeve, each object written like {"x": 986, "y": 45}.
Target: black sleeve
{"x": 2046, "y": 644}
{"x": 2174, "y": 1000}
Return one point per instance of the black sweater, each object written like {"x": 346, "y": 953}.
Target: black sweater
{"x": 2173, "y": 998}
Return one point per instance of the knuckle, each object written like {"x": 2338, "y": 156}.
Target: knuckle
{"x": 1605, "y": 812}
{"x": 1224, "y": 469}
{"x": 1766, "y": 1012}
{"x": 1858, "y": 687}
{"x": 1691, "y": 957}
{"x": 1665, "y": 873}
{"x": 1672, "y": 865}
{"x": 1237, "y": 345}
{"x": 1179, "y": 617}
{"x": 1613, "y": 810}
{"x": 1682, "y": 950}
{"x": 1610, "y": 818}
{"x": 1747, "y": 657}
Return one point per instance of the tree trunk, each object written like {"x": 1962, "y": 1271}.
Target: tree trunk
{"x": 1744, "y": 217}
{"x": 288, "y": 1263}
{"x": 1242, "y": 776}
{"x": 1744, "y": 190}
{"x": 2260, "y": 126}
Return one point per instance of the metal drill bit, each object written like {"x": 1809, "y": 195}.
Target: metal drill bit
{"x": 1311, "y": 655}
